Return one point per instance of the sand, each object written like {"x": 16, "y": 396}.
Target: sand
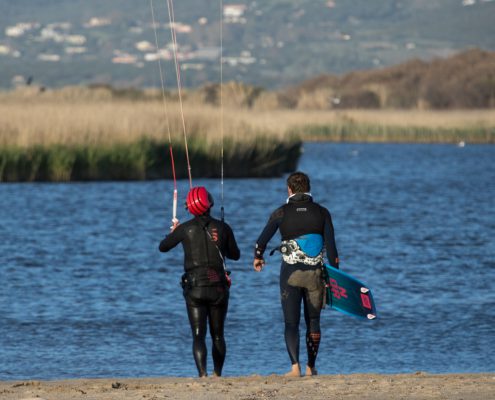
{"x": 360, "y": 386}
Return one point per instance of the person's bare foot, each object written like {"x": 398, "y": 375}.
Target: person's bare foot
{"x": 215, "y": 375}
{"x": 295, "y": 371}
{"x": 311, "y": 371}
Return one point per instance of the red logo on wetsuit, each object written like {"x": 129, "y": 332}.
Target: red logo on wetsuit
{"x": 212, "y": 275}
{"x": 337, "y": 291}
{"x": 214, "y": 234}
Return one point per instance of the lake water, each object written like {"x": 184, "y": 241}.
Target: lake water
{"x": 84, "y": 291}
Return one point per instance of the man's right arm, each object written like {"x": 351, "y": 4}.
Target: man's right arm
{"x": 267, "y": 233}
{"x": 171, "y": 240}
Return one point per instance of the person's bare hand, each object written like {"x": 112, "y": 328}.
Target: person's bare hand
{"x": 258, "y": 264}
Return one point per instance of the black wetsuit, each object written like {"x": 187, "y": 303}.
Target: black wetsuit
{"x": 301, "y": 216}
{"x": 206, "y": 290}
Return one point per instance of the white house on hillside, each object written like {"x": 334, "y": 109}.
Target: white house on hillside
{"x": 20, "y": 28}
{"x": 233, "y": 13}
{"x": 97, "y": 22}
{"x": 144, "y": 46}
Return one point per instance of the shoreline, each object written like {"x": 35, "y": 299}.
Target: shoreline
{"x": 419, "y": 385}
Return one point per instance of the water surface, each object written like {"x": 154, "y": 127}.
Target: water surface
{"x": 84, "y": 291}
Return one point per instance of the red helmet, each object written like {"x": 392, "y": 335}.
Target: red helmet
{"x": 198, "y": 201}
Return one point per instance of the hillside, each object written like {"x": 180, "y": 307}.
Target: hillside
{"x": 466, "y": 80}
{"x": 271, "y": 44}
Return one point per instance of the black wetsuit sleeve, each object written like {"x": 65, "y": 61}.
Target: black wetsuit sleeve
{"x": 268, "y": 232}
{"x": 233, "y": 251}
{"x": 329, "y": 238}
{"x": 172, "y": 240}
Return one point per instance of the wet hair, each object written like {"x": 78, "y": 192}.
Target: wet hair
{"x": 298, "y": 182}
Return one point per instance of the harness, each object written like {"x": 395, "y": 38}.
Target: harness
{"x": 307, "y": 249}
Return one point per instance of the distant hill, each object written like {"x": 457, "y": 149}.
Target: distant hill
{"x": 267, "y": 43}
{"x": 466, "y": 80}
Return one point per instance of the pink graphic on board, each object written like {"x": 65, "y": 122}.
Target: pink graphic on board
{"x": 337, "y": 291}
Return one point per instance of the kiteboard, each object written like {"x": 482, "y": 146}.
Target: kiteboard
{"x": 348, "y": 295}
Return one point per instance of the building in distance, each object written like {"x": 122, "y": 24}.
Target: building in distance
{"x": 234, "y": 13}
{"x": 96, "y": 22}
{"x": 145, "y": 46}
{"x": 21, "y": 28}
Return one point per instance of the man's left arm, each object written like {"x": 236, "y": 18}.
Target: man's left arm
{"x": 329, "y": 238}
{"x": 233, "y": 251}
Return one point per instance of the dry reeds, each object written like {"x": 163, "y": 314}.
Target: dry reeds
{"x": 81, "y": 135}
{"x": 83, "y": 117}
{"x": 100, "y": 133}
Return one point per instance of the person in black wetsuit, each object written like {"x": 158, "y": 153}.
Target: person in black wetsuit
{"x": 300, "y": 221}
{"x": 206, "y": 242}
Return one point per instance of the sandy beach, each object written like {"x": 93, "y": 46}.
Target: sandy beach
{"x": 360, "y": 386}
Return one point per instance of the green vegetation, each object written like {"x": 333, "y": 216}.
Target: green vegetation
{"x": 146, "y": 159}
{"x": 353, "y": 132}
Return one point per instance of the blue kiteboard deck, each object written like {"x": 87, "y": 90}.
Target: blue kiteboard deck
{"x": 348, "y": 295}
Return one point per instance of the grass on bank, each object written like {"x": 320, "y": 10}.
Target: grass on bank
{"x": 79, "y": 115}
{"x": 101, "y": 139}
{"x": 395, "y": 134}
{"x": 82, "y": 134}
{"x": 145, "y": 159}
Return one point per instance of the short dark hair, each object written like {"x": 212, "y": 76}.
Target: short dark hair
{"x": 298, "y": 182}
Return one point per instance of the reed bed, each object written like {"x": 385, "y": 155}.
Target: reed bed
{"x": 117, "y": 122}
{"x": 99, "y": 139}
{"x": 93, "y": 134}
{"x": 396, "y": 134}
{"x": 145, "y": 159}
{"x": 78, "y": 115}
{"x": 453, "y": 126}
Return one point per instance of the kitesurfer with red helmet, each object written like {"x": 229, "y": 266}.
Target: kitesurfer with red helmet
{"x": 207, "y": 242}
{"x": 306, "y": 229}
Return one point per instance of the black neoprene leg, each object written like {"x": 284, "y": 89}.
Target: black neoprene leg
{"x": 292, "y": 341}
{"x": 197, "y": 318}
{"x": 217, "y": 316}
{"x": 291, "y": 306}
{"x": 313, "y": 333}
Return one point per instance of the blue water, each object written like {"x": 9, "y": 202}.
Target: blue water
{"x": 84, "y": 291}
